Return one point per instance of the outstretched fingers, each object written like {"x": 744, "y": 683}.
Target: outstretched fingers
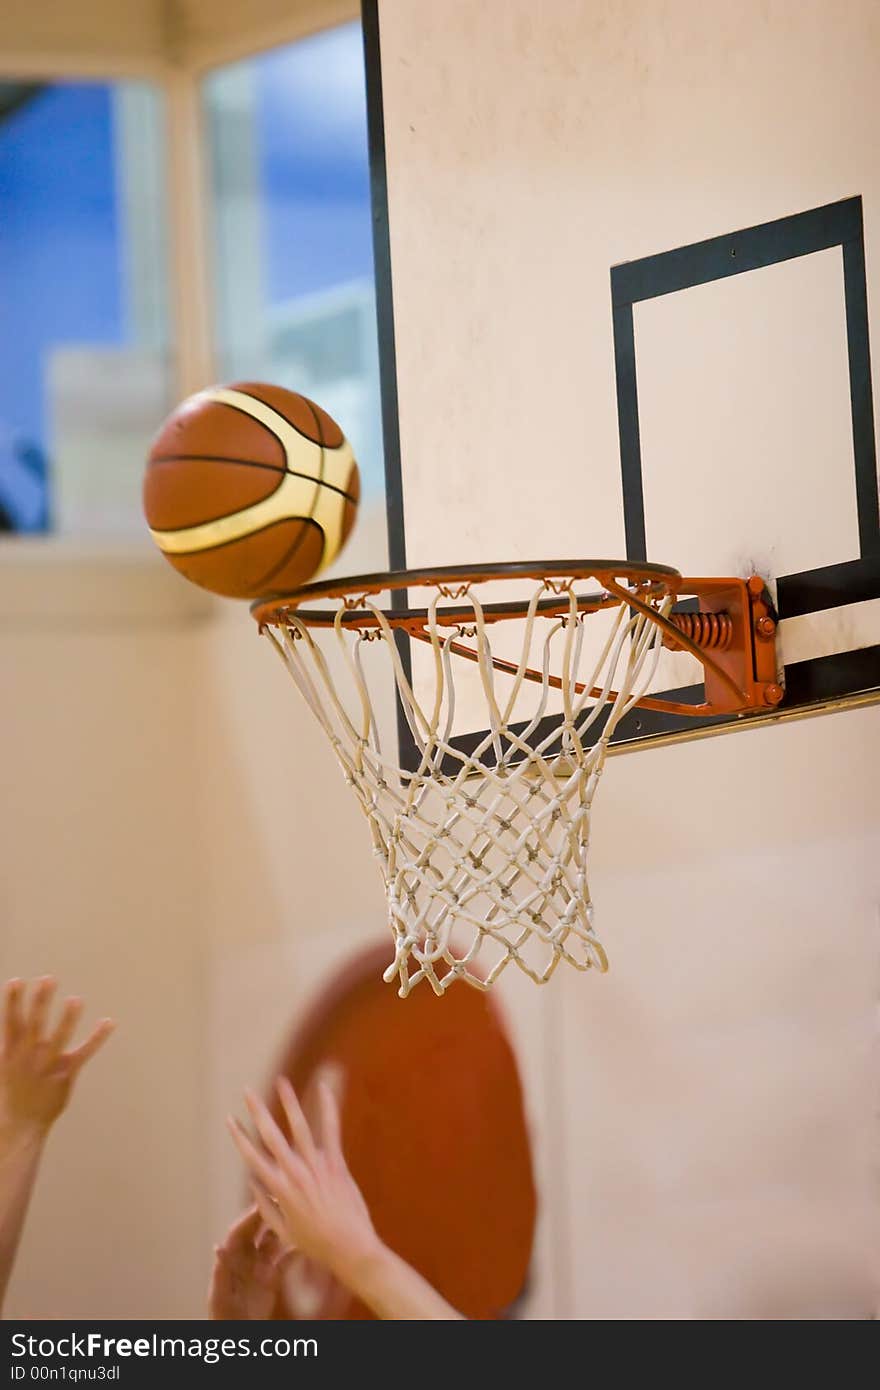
{"x": 270, "y": 1215}
{"x": 66, "y": 1025}
{"x": 270, "y": 1246}
{"x": 39, "y": 1011}
{"x": 330, "y": 1121}
{"x": 78, "y": 1056}
{"x": 13, "y": 993}
{"x": 244, "y": 1231}
{"x": 260, "y": 1167}
{"x": 272, "y": 1136}
{"x": 299, "y": 1125}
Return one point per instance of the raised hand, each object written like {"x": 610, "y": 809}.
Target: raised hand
{"x": 38, "y": 1068}
{"x": 307, "y": 1196}
{"x": 246, "y": 1279}
{"x": 303, "y": 1188}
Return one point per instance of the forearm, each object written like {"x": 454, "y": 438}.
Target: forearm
{"x": 20, "y": 1154}
{"x": 392, "y": 1289}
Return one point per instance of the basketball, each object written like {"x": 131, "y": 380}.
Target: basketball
{"x": 250, "y": 489}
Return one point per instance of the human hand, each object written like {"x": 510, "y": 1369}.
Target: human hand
{"x": 247, "y": 1271}
{"x": 37, "y": 1073}
{"x": 302, "y": 1186}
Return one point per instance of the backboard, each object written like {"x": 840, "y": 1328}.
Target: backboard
{"x": 606, "y": 329}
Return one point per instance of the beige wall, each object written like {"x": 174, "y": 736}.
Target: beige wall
{"x": 178, "y": 846}
{"x": 722, "y": 1132}
{"x": 101, "y": 883}
{"x": 82, "y": 34}
{"x": 55, "y": 35}
{"x": 203, "y": 31}
{"x": 145, "y": 822}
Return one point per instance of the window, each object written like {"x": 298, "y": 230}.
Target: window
{"x": 294, "y": 298}
{"x": 83, "y": 360}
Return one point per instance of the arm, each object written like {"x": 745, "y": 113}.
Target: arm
{"x": 36, "y": 1079}
{"x": 307, "y": 1196}
{"x": 20, "y": 1154}
{"x": 393, "y": 1289}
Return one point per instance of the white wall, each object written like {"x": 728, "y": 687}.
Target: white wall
{"x": 178, "y": 846}
{"x": 101, "y": 884}
{"x": 288, "y": 870}
{"x": 722, "y": 1132}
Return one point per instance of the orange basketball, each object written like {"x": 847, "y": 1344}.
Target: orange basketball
{"x": 250, "y": 489}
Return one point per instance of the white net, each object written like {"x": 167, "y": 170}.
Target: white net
{"x": 482, "y": 842}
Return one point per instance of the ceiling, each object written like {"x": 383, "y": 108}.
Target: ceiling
{"x": 53, "y": 36}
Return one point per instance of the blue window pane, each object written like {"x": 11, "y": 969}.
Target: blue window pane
{"x": 293, "y": 256}
{"x": 70, "y": 287}
{"x": 312, "y": 139}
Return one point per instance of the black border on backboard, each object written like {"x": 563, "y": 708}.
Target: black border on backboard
{"x": 735, "y": 253}
{"x": 384, "y": 288}
{"x": 837, "y": 224}
{"x": 385, "y": 336}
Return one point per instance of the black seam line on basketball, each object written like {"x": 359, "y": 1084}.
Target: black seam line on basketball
{"x": 221, "y": 545}
{"x": 317, "y": 419}
{"x": 253, "y": 463}
{"x": 320, "y": 479}
{"x": 281, "y": 416}
{"x": 210, "y": 521}
{"x": 312, "y": 407}
{"x": 286, "y": 559}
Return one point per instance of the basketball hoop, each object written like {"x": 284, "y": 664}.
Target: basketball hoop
{"x": 483, "y": 842}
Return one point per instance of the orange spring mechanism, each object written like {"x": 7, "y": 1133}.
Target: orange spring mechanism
{"x": 712, "y": 631}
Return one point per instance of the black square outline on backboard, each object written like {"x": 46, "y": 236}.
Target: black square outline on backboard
{"x": 837, "y": 224}
{"x": 840, "y": 224}
{"x": 847, "y": 581}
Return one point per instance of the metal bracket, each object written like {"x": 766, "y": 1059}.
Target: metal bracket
{"x": 747, "y": 655}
